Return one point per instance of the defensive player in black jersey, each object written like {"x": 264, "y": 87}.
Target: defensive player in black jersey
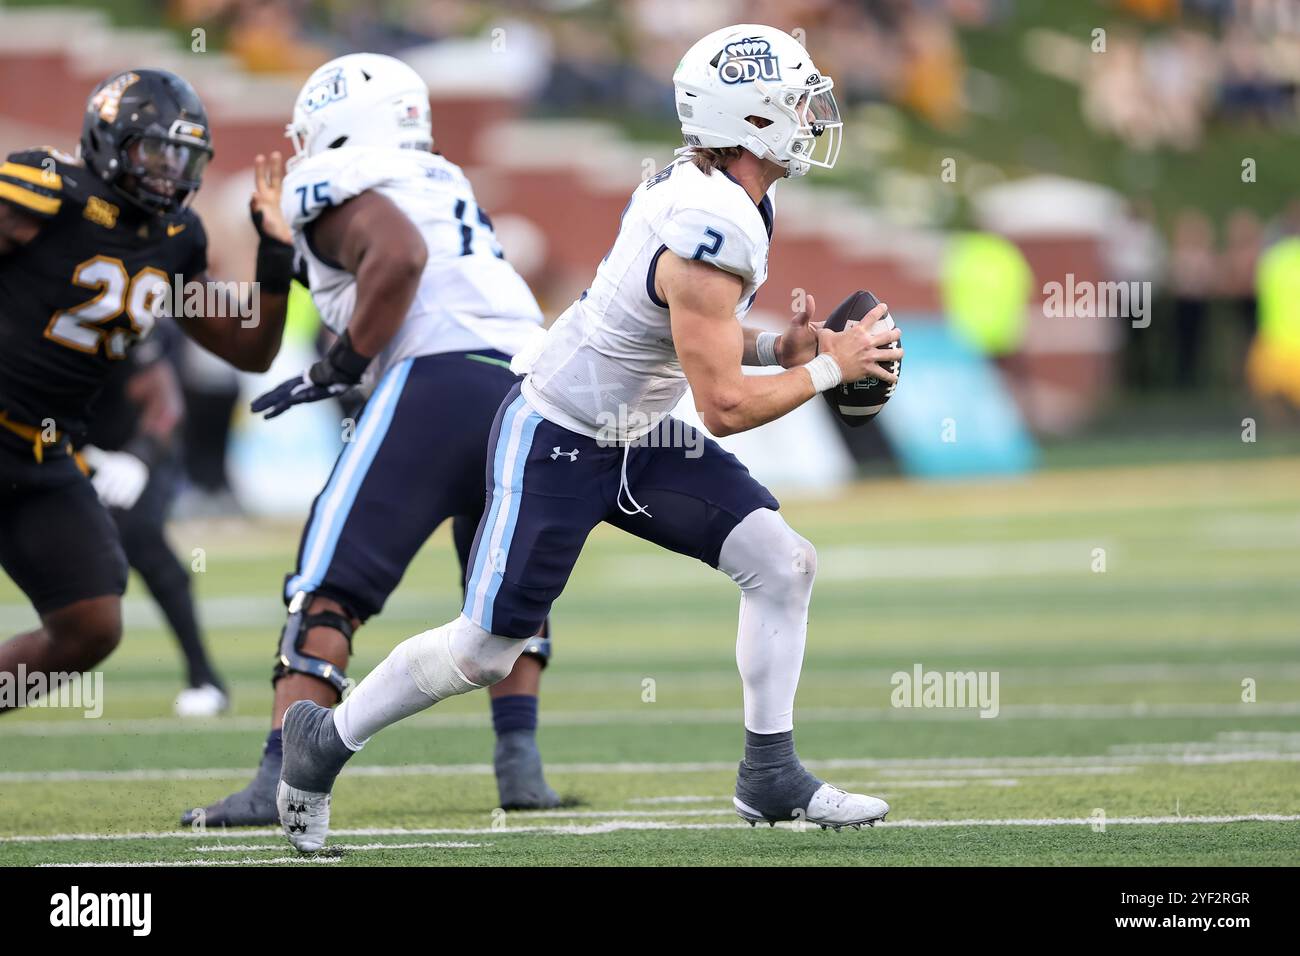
{"x": 132, "y": 454}
{"x": 90, "y": 248}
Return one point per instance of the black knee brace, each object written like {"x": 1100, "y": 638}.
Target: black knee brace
{"x": 539, "y": 645}
{"x": 291, "y": 660}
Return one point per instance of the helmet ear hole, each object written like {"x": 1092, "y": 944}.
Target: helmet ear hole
{"x": 337, "y": 143}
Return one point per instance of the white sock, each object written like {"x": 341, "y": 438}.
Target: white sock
{"x": 774, "y": 567}
{"x": 432, "y": 666}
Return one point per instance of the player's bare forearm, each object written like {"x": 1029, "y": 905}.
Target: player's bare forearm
{"x": 749, "y": 355}
{"x": 375, "y": 241}
{"x": 756, "y": 400}
{"x": 711, "y": 346}
{"x": 250, "y": 344}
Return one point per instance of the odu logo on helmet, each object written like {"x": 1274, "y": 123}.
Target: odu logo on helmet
{"x": 749, "y": 60}
{"x": 332, "y": 87}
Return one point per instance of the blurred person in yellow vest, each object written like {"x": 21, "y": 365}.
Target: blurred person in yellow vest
{"x": 986, "y": 288}
{"x": 1273, "y": 365}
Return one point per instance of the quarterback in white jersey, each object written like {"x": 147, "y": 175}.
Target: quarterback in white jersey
{"x": 619, "y": 334}
{"x": 663, "y": 312}
{"x": 405, "y": 269}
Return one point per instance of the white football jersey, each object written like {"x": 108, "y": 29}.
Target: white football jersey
{"x": 469, "y": 297}
{"x": 608, "y": 366}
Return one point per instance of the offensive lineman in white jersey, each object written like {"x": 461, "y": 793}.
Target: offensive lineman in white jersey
{"x": 405, "y": 269}
{"x": 568, "y": 451}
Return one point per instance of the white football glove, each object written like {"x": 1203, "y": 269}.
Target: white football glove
{"x": 119, "y": 477}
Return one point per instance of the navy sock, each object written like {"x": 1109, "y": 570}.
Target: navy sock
{"x": 516, "y": 712}
{"x": 274, "y": 744}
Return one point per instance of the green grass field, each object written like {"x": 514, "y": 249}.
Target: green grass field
{"x": 1120, "y": 695}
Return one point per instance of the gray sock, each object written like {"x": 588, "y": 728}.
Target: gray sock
{"x": 314, "y": 753}
{"x": 771, "y": 778}
{"x": 521, "y": 785}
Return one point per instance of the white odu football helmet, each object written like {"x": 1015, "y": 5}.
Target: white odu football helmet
{"x": 362, "y": 99}
{"x": 753, "y": 70}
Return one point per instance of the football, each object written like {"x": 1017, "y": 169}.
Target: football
{"x": 856, "y": 403}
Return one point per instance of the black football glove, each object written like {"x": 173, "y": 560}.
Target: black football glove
{"x": 338, "y": 371}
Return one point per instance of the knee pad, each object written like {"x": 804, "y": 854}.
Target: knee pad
{"x": 291, "y": 660}
{"x": 763, "y": 551}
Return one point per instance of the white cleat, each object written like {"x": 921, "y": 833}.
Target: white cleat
{"x": 829, "y": 807}
{"x": 205, "y": 701}
{"x": 305, "y": 817}
{"x": 832, "y": 807}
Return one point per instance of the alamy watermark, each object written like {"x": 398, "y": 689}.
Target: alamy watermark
{"x": 76, "y": 691}
{"x": 211, "y": 299}
{"x": 1083, "y": 299}
{"x": 956, "y": 689}
{"x": 75, "y": 908}
{"x": 653, "y": 430}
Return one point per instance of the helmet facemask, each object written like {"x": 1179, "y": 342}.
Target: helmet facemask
{"x": 165, "y": 172}
{"x": 812, "y": 120}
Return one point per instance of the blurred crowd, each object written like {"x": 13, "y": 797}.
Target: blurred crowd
{"x": 621, "y": 55}
{"x": 1235, "y": 60}
{"x": 1159, "y": 84}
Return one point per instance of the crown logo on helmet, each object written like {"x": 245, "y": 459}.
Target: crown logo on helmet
{"x": 748, "y": 60}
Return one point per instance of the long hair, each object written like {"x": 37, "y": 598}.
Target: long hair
{"x": 709, "y": 158}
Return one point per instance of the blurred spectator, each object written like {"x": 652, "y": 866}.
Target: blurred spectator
{"x": 1193, "y": 268}
{"x": 1248, "y": 89}
{"x": 1135, "y": 251}
{"x": 930, "y": 83}
{"x": 1243, "y": 242}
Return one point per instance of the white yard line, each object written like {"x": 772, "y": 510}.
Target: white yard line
{"x": 351, "y": 847}
{"x": 618, "y": 825}
{"x": 250, "y": 861}
{"x": 999, "y": 766}
{"x": 678, "y": 799}
{"x": 1108, "y": 821}
{"x": 655, "y": 715}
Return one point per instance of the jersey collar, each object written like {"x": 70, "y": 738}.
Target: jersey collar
{"x": 764, "y": 206}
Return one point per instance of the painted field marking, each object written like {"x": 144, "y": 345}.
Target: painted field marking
{"x": 350, "y": 847}
{"x": 593, "y": 718}
{"x": 614, "y": 826}
{"x": 251, "y": 861}
{"x": 1001, "y": 766}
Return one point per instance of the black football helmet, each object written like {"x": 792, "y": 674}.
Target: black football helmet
{"x": 146, "y": 134}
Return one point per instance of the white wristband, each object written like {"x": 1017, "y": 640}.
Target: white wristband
{"x": 765, "y": 348}
{"x": 825, "y": 372}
